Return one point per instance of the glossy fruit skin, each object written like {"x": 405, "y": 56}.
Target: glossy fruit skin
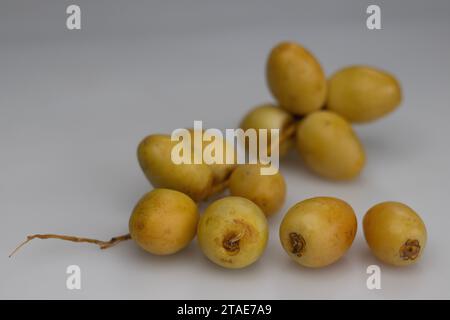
{"x": 164, "y": 221}
{"x": 267, "y": 191}
{"x": 233, "y": 232}
{"x": 154, "y": 156}
{"x": 296, "y": 78}
{"x": 329, "y": 146}
{"x": 395, "y": 233}
{"x": 268, "y": 116}
{"x": 317, "y": 232}
{"x": 363, "y": 93}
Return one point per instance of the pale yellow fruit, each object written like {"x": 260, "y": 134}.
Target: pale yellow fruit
{"x": 395, "y": 233}
{"x": 296, "y": 79}
{"x": 233, "y": 232}
{"x": 164, "y": 221}
{"x": 329, "y": 146}
{"x": 363, "y": 94}
{"x": 267, "y": 191}
{"x": 318, "y": 231}
{"x": 268, "y": 116}
{"x": 154, "y": 155}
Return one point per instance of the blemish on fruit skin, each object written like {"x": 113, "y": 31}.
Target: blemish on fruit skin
{"x": 410, "y": 250}
{"x": 247, "y": 229}
{"x": 298, "y": 243}
{"x": 231, "y": 243}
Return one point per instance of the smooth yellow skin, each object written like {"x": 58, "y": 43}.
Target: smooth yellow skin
{"x": 268, "y": 116}
{"x": 329, "y": 146}
{"x": 326, "y": 225}
{"x": 395, "y": 233}
{"x": 233, "y": 232}
{"x": 363, "y": 94}
{"x": 267, "y": 191}
{"x": 154, "y": 155}
{"x": 164, "y": 221}
{"x": 296, "y": 78}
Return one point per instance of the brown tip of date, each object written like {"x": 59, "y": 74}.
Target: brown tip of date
{"x": 231, "y": 243}
{"x": 410, "y": 250}
{"x": 298, "y": 244}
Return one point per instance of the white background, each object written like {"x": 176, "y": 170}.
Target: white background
{"x": 75, "y": 104}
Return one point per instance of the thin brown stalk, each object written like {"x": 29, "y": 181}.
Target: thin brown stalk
{"x": 100, "y": 243}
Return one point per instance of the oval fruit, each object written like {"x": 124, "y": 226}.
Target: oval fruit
{"x": 164, "y": 221}
{"x": 267, "y": 191}
{"x": 296, "y": 79}
{"x": 363, "y": 94}
{"x": 154, "y": 155}
{"x": 268, "y": 116}
{"x": 233, "y": 232}
{"x": 318, "y": 231}
{"x": 329, "y": 146}
{"x": 395, "y": 233}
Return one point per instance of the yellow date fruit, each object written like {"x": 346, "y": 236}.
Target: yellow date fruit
{"x": 363, "y": 94}
{"x": 164, "y": 221}
{"x": 329, "y": 146}
{"x": 268, "y": 116}
{"x": 395, "y": 233}
{"x": 267, "y": 191}
{"x": 296, "y": 78}
{"x": 317, "y": 232}
{"x": 154, "y": 155}
{"x": 233, "y": 232}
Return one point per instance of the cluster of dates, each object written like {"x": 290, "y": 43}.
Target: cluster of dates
{"x": 315, "y": 115}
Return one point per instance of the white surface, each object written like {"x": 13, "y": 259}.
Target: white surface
{"x": 75, "y": 104}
